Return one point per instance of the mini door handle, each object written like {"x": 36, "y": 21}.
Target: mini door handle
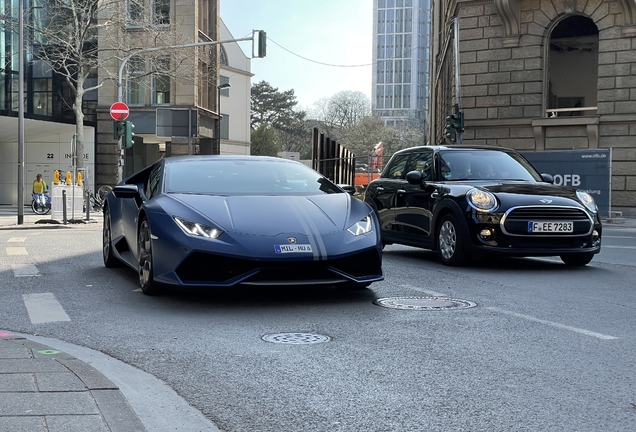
{"x": 435, "y": 194}
{"x": 401, "y": 191}
{"x": 379, "y": 189}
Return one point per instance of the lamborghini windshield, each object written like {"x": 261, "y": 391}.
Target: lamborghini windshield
{"x": 245, "y": 177}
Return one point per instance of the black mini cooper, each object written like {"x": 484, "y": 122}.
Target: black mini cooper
{"x": 466, "y": 201}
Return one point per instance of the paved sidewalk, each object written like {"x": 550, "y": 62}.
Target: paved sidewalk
{"x": 9, "y": 219}
{"x": 45, "y": 390}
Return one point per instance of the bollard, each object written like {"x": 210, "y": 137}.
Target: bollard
{"x": 64, "y": 207}
{"x": 88, "y": 204}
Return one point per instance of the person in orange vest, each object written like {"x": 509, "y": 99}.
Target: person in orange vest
{"x": 39, "y": 187}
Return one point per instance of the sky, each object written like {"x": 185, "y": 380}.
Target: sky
{"x": 329, "y": 34}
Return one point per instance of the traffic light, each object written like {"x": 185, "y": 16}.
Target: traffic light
{"x": 261, "y": 44}
{"x": 454, "y": 125}
{"x": 451, "y": 132}
{"x": 128, "y": 134}
{"x": 118, "y": 129}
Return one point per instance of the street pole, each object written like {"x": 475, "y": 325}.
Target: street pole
{"x": 21, "y": 112}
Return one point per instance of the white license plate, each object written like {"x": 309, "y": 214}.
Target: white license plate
{"x": 551, "y": 227}
{"x": 293, "y": 248}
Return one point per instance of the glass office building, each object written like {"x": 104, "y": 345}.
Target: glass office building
{"x": 401, "y": 60}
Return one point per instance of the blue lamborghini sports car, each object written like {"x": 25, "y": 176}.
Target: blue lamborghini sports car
{"x": 221, "y": 221}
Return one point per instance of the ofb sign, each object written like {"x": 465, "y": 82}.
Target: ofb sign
{"x": 587, "y": 170}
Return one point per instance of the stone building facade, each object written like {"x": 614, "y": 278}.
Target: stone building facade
{"x": 540, "y": 75}
{"x": 183, "y": 79}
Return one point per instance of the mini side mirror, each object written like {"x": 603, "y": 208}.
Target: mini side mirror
{"x": 414, "y": 177}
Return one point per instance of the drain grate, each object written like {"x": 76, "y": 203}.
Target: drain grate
{"x": 296, "y": 338}
{"x": 424, "y": 303}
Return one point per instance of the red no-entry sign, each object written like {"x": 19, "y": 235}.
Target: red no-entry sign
{"x": 119, "y": 111}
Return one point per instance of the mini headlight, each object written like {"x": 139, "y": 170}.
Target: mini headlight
{"x": 587, "y": 200}
{"x": 363, "y": 226}
{"x": 196, "y": 229}
{"x": 481, "y": 200}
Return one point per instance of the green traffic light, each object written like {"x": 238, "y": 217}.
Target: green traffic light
{"x": 128, "y": 134}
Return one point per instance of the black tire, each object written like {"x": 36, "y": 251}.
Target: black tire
{"x": 450, "y": 244}
{"x": 146, "y": 272}
{"x": 577, "y": 260}
{"x": 38, "y": 209}
{"x": 107, "y": 243}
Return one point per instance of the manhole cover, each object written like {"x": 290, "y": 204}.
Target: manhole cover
{"x": 295, "y": 338}
{"x": 424, "y": 303}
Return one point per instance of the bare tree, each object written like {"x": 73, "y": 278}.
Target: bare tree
{"x": 345, "y": 109}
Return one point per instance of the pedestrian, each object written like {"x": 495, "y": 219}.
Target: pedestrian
{"x": 39, "y": 186}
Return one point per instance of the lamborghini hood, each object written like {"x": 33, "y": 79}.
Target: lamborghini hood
{"x": 272, "y": 215}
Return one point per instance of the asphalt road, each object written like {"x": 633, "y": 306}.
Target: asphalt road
{"x": 545, "y": 347}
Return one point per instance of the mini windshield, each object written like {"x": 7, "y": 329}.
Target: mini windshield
{"x": 245, "y": 177}
{"x": 485, "y": 164}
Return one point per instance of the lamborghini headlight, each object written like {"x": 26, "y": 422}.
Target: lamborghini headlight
{"x": 363, "y": 226}
{"x": 196, "y": 229}
{"x": 481, "y": 200}
{"x": 587, "y": 200}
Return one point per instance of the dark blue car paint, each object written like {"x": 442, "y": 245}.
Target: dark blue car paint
{"x": 251, "y": 225}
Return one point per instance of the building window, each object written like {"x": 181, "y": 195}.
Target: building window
{"x": 223, "y": 59}
{"x": 135, "y": 12}
{"x": 42, "y": 96}
{"x": 204, "y": 16}
{"x": 224, "y": 127}
{"x": 161, "y": 82}
{"x": 135, "y": 89}
{"x": 204, "y": 85}
{"x": 225, "y": 91}
{"x": 161, "y": 12}
{"x": 573, "y": 68}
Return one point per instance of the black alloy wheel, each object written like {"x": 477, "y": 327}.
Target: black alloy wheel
{"x": 146, "y": 278}
{"x": 107, "y": 243}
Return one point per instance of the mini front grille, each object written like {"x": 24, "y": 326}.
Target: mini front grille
{"x": 516, "y": 220}
{"x": 547, "y": 213}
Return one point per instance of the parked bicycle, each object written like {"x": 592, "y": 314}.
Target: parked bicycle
{"x": 97, "y": 200}
{"x": 41, "y": 206}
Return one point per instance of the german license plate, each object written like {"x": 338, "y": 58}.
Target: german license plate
{"x": 550, "y": 227}
{"x": 293, "y": 248}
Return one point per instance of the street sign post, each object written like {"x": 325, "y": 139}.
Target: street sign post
{"x": 119, "y": 111}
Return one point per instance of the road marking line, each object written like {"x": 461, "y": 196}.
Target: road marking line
{"x": 21, "y": 270}
{"x": 433, "y": 293}
{"x": 554, "y": 324}
{"x": 16, "y": 240}
{"x": 608, "y": 236}
{"x": 44, "y": 308}
{"x": 618, "y": 247}
{"x": 17, "y": 251}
